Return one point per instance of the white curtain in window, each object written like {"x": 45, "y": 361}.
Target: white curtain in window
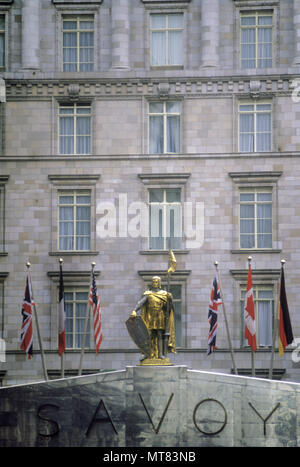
{"x": 263, "y": 128}
{"x": 79, "y": 326}
{"x": 159, "y": 48}
{"x": 83, "y": 228}
{"x": 70, "y": 51}
{"x": 173, "y": 133}
{"x": 66, "y": 131}
{"x": 265, "y": 323}
{"x": 66, "y": 228}
{"x": 156, "y": 135}
{"x": 248, "y": 48}
{"x": 86, "y": 51}
{"x": 83, "y": 128}
{"x": 246, "y": 133}
{"x": 156, "y": 241}
{"x": 175, "y": 48}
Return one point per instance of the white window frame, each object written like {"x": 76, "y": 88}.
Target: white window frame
{"x": 165, "y": 116}
{"x": 255, "y": 192}
{"x": 74, "y": 301}
{"x": 74, "y": 115}
{"x": 78, "y": 18}
{"x": 256, "y": 15}
{"x": 64, "y": 183}
{"x": 166, "y": 29}
{"x": 256, "y": 289}
{"x": 75, "y": 205}
{"x": 255, "y": 112}
{"x": 164, "y": 205}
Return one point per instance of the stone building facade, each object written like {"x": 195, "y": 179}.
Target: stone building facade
{"x": 125, "y": 122}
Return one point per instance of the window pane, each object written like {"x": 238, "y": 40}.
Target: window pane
{"x": 247, "y": 196}
{"x": 264, "y": 323}
{"x": 156, "y": 195}
{"x": 175, "y": 21}
{"x": 159, "y": 57}
{"x": 173, "y": 195}
{"x": 247, "y": 241}
{"x": 173, "y": 134}
{"x": 158, "y": 21}
{"x": 173, "y": 107}
{"x": 247, "y": 226}
{"x": 247, "y": 123}
{"x": 70, "y": 25}
{"x": 264, "y": 241}
{"x": 264, "y": 197}
{"x": 156, "y": 135}
{"x": 156, "y": 107}
{"x": 175, "y": 48}
{"x": 247, "y": 211}
{"x": 248, "y": 20}
{"x": 265, "y": 20}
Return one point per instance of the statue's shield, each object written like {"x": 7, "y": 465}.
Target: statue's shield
{"x": 139, "y": 334}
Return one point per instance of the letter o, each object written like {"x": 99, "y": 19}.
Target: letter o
{"x": 224, "y": 423}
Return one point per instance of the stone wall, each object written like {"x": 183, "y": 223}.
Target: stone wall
{"x": 144, "y": 407}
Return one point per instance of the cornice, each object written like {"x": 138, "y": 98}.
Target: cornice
{"x": 161, "y": 87}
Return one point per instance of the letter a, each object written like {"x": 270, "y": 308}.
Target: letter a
{"x": 102, "y": 419}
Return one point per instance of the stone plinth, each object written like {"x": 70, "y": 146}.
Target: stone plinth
{"x": 151, "y": 406}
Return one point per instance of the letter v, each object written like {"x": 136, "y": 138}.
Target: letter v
{"x": 163, "y": 415}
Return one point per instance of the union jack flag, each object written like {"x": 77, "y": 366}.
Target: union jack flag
{"x": 215, "y": 301}
{"x": 27, "y": 327}
{"x": 95, "y": 304}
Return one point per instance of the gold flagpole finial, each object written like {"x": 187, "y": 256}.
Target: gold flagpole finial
{"x": 93, "y": 264}
{"x": 172, "y": 262}
{"x": 283, "y": 262}
{"x": 28, "y": 265}
{"x": 61, "y": 260}
{"x": 216, "y": 263}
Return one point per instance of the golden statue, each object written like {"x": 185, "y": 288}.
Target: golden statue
{"x": 157, "y": 313}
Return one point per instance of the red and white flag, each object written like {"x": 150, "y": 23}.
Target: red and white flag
{"x": 27, "y": 327}
{"x": 61, "y": 315}
{"x": 95, "y": 304}
{"x": 249, "y": 313}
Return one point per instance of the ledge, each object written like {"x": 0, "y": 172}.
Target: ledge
{"x": 239, "y": 252}
{"x": 163, "y": 252}
{"x": 72, "y": 275}
{"x": 73, "y": 253}
{"x": 257, "y": 274}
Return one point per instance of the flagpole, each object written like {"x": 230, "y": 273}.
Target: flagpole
{"x": 226, "y": 322}
{"x": 62, "y": 357}
{"x": 275, "y": 327}
{"x": 38, "y": 329}
{"x": 85, "y": 324}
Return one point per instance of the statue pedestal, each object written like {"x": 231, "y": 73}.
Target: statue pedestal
{"x": 156, "y": 362}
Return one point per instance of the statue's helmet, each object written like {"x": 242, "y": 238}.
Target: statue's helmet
{"x": 156, "y": 282}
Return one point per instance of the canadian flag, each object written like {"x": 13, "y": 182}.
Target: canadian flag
{"x": 249, "y": 313}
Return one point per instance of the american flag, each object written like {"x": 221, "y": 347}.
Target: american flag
{"x": 215, "y": 301}
{"x": 95, "y": 304}
{"x": 27, "y": 328}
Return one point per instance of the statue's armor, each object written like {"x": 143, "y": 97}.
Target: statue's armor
{"x": 155, "y": 311}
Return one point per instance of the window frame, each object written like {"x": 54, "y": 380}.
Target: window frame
{"x": 255, "y": 112}
{"x": 78, "y": 18}
{"x": 61, "y": 183}
{"x": 75, "y": 205}
{"x": 74, "y": 290}
{"x": 166, "y": 29}
{"x": 75, "y": 115}
{"x": 255, "y": 180}
{"x": 256, "y": 289}
{"x": 165, "y": 204}
{"x": 256, "y": 14}
{"x": 165, "y": 115}
{"x": 255, "y": 192}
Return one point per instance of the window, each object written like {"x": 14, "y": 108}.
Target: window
{"x": 255, "y": 218}
{"x": 164, "y": 127}
{"x": 75, "y": 309}
{"x": 264, "y": 309}
{"x": 166, "y": 39}
{"x": 2, "y": 41}
{"x": 75, "y": 129}
{"x": 164, "y": 218}
{"x": 255, "y": 126}
{"x": 74, "y": 220}
{"x": 256, "y": 40}
{"x": 78, "y": 43}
